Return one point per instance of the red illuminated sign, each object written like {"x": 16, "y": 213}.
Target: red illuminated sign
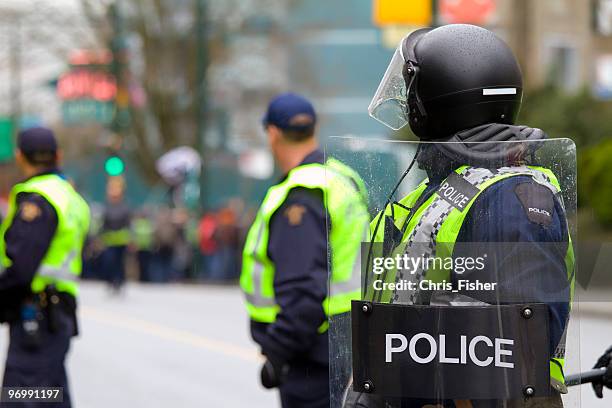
{"x": 82, "y": 83}
{"x": 467, "y": 11}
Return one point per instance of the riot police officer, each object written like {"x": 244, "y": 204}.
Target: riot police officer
{"x": 459, "y": 88}
{"x": 605, "y": 361}
{"x": 285, "y": 259}
{"x": 41, "y": 240}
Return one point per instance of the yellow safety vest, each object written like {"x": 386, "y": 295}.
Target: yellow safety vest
{"x": 347, "y": 209}
{"x": 62, "y": 263}
{"x": 143, "y": 230}
{"x": 442, "y": 228}
{"x": 113, "y": 238}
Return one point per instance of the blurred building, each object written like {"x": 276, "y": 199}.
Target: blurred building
{"x": 330, "y": 51}
{"x": 337, "y": 55}
{"x": 337, "y": 58}
{"x": 566, "y": 43}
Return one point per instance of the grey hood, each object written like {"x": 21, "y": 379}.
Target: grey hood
{"x": 493, "y": 145}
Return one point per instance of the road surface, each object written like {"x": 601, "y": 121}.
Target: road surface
{"x": 162, "y": 346}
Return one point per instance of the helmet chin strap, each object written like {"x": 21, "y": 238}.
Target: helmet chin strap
{"x": 490, "y": 145}
{"x": 415, "y": 110}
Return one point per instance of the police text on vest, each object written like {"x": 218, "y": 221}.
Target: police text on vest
{"x": 457, "y": 191}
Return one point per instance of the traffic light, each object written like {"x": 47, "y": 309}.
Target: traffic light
{"x": 114, "y": 166}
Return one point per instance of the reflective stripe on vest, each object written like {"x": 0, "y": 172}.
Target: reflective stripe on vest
{"x": 61, "y": 264}
{"x": 61, "y": 272}
{"x": 347, "y": 210}
{"x": 434, "y": 228}
{"x": 57, "y": 273}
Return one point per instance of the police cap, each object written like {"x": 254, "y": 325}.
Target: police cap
{"x": 290, "y": 112}
{"x": 38, "y": 144}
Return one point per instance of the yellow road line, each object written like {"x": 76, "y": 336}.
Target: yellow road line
{"x": 169, "y": 333}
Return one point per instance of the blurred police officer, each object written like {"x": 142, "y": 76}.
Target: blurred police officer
{"x": 41, "y": 241}
{"x": 605, "y": 361}
{"x": 285, "y": 259}
{"x": 116, "y": 233}
{"x": 462, "y": 84}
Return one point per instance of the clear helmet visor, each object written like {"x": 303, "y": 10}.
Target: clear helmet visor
{"x": 389, "y": 105}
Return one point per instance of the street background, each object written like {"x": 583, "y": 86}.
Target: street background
{"x": 150, "y": 348}
{"x": 162, "y": 101}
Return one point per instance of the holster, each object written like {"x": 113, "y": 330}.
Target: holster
{"x": 54, "y": 303}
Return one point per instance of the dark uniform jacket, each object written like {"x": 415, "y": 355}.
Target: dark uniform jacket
{"x": 501, "y": 215}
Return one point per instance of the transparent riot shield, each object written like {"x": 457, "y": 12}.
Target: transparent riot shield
{"x": 465, "y": 290}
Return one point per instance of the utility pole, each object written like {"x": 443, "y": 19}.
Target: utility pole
{"x": 201, "y": 90}
{"x": 14, "y": 38}
{"x": 118, "y": 68}
{"x": 434, "y": 13}
{"x": 521, "y": 27}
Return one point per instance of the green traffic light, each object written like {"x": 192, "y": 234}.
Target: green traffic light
{"x": 114, "y": 166}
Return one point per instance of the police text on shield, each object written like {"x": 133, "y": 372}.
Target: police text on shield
{"x": 480, "y": 350}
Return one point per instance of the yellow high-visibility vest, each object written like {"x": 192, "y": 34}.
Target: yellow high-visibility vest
{"x": 346, "y": 205}
{"x": 62, "y": 263}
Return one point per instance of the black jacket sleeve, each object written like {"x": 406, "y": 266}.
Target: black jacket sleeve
{"x": 298, "y": 248}
{"x": 522, "y": 228}
{"x": 27, "y": 241}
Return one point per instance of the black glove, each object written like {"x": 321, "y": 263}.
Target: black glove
{"x": 606, "y": 380}
{"x": 273, "y": 372}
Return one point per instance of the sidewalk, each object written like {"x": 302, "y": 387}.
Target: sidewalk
{"x": 594, "y": 303}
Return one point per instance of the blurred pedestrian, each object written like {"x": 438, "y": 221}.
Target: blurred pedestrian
{"x": 207, "y": 229}
{"x": 142, "y": 236}
{"x": 41, "y": 242}
{"x": 285, "y": 258}
{"x": 227, "y": 239}
{"x": 182, "y": 255}
{"x": 92, "y": 268}
{"x": 115, "y": 235}
{"x": 192, "y": 241}
{"x": 164, "y": 237}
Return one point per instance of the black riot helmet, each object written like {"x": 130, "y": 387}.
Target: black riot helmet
{"x": 445, "y": 80}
